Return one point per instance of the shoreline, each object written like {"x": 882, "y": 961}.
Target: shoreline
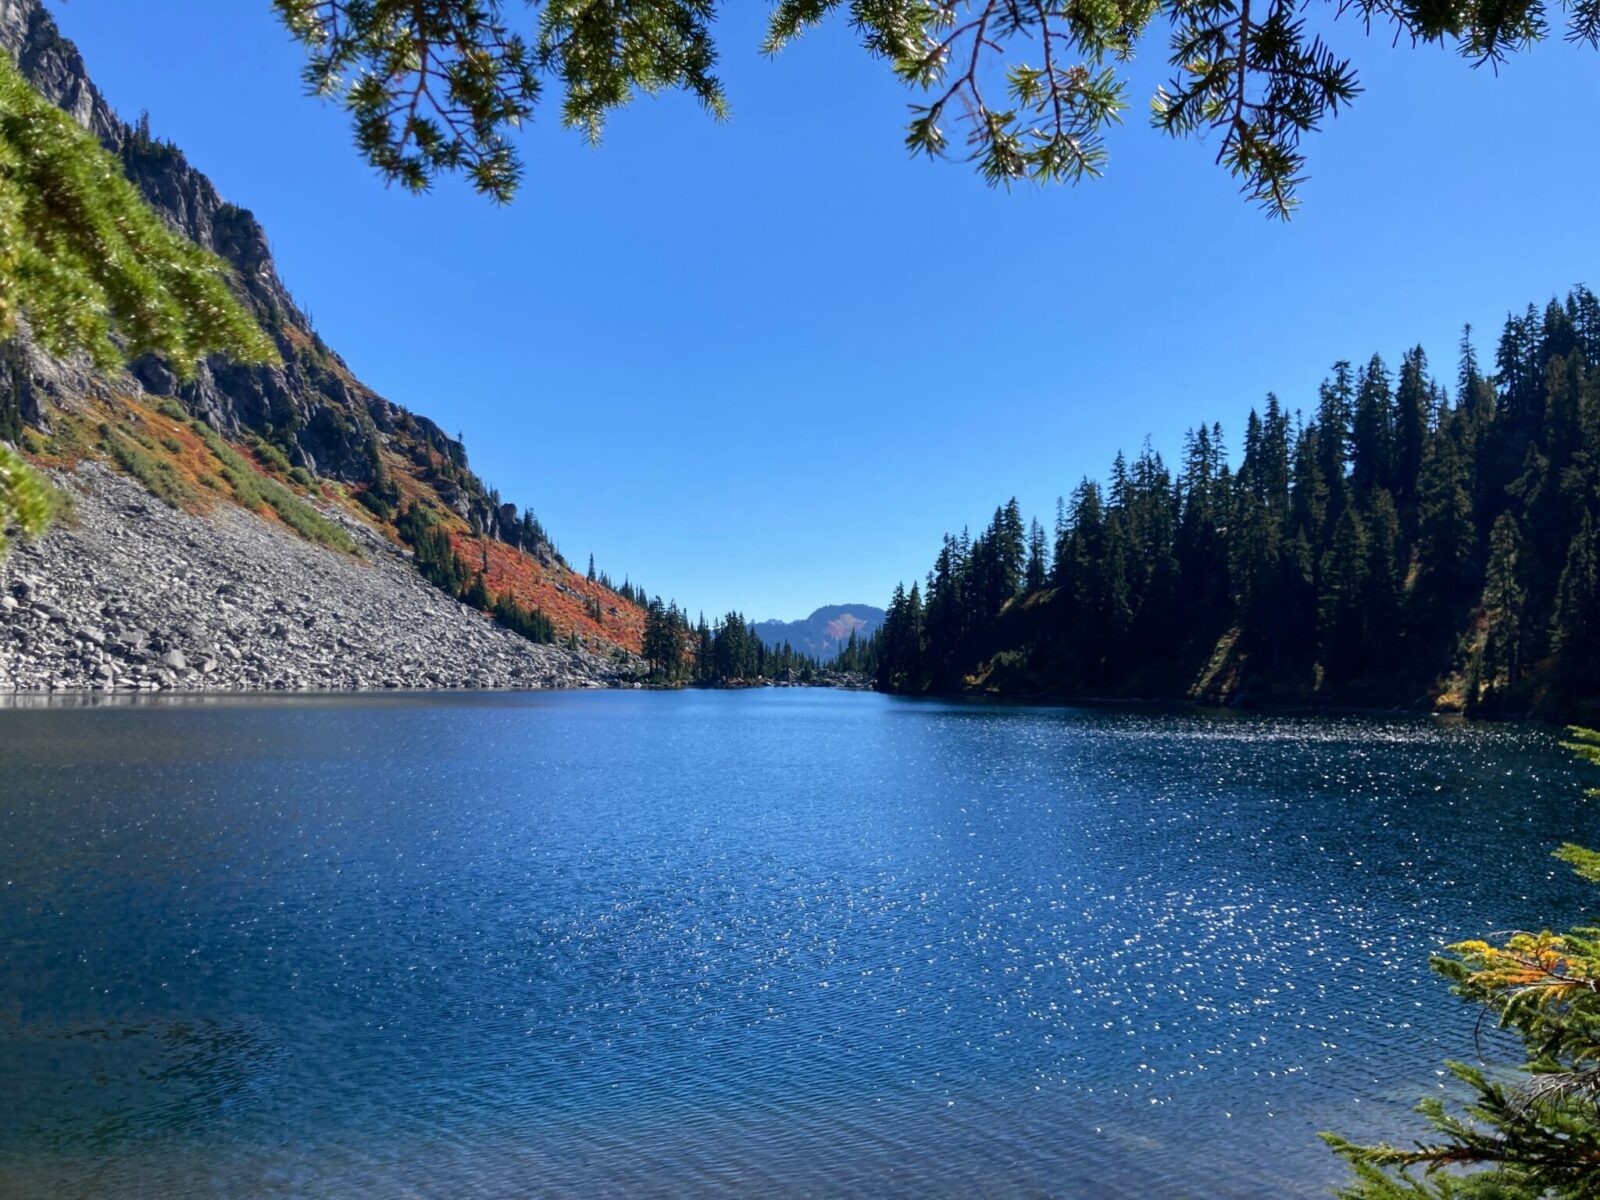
{"x": 92, "y": 697}
{"x": 1265, "y": 708}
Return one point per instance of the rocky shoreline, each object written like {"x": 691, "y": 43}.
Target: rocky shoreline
{"x": 844, "y": 681}
{"x": 129, "y": 595}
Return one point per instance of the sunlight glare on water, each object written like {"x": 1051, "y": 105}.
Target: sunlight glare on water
{"x": 714, "y": 943}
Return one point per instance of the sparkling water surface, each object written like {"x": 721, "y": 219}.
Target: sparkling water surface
{"x": 781, "y": 943}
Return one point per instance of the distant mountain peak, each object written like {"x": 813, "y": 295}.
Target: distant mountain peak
{"x": 826, "y": 631}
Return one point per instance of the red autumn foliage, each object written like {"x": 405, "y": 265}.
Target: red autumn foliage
{"x": 556, "y": 591}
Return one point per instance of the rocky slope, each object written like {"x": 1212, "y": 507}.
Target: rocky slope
{"x": 130, "y": 594}
{"x": 312, "y": 432}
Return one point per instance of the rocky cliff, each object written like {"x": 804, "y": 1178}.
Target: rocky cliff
{"x": 312, "y": 431}
{"x": 311, "y": 406}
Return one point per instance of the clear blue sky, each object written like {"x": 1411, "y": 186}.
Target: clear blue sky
{"x": 766, "y": 364}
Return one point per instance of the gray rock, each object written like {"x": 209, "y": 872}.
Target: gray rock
{"x": 368, "y": 624}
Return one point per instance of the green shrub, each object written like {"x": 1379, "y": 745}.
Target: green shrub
{"x": 274, "y": 457}
{"x": 253, "y": 489}
{"x": 305, "y": 520}
{"x": 66, "y": 438}
{"x": 26, "y": 500}
{"x": 242, "y": 480}
{"x": 377, "y": 504}
{"x": 157, "y": 476}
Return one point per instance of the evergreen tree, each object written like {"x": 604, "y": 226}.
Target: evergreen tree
{"x": 1447, "y": 538}
{"x": 25, "y": 499}
{"x": 93, "y": 269}
{"x": 1372, "y": 435}
{"x": 1383, "y": 606}
{"x": 664, "y": 640}
{"x": 1307, "y": 569}
{"x": 1474, "y": 394}
{"x": 441, "y": 87}
{"x": 1412, "y": 417}
{"x": 1503, "y": 601}
{"x": 1335, "y": 412}
{"x": 1256, "y": 571}
{"x": 1575, "y": 627}
{"x": 1532, "y": 1136}
{"x": 530, "y": 623}
{"x": 1038, "y": 568}
{"x": 1344, "y": 600}
{"x": 87, "y": 261}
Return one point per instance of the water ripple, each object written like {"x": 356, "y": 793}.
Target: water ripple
{"x": 727, "y": 944}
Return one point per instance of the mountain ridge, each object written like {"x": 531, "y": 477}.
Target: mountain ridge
{"x": 304, "y": 446}
{"x": 825, "y": 631}
{"x": 308, "y": 424}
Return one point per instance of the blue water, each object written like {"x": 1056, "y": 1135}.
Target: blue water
{"x": 756, "y": 943}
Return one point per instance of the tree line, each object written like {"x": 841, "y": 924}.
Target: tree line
{"x": 1402, "y": 540}
{"x": 627, "y": 589}
{"x": 729, "y": 651}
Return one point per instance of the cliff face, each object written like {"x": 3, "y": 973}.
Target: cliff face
{"x": 312, "y": 407}
{"x": 309, "y": 422}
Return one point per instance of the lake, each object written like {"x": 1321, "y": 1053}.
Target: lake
{"x": 783, "y": 943}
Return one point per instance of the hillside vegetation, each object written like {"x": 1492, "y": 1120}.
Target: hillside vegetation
{"x": 296, "y": 437}
{"x": 1396, "y": 542}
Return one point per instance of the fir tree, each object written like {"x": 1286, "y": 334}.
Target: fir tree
{"x": 1383, "y": 605}
{"x": 1412, "y": 418}
{"x": 26, "y": 501}
{"x": 1503, "y": 601}
{"x": 1306, "y": 558}
{"x": 1372, "y": 435}
{"x": 1344, "y": 600}
{"x": 1534, "y": 1135}
{"x": 1447, "y": 538}
{"x": 441, "y": 87}
{"x": 1575, "y": 627}
{"x": 1038, "y": 568}
{"x": 93, "y": 269}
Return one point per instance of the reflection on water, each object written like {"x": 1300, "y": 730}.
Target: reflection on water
{"x": 738, "y": 943}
